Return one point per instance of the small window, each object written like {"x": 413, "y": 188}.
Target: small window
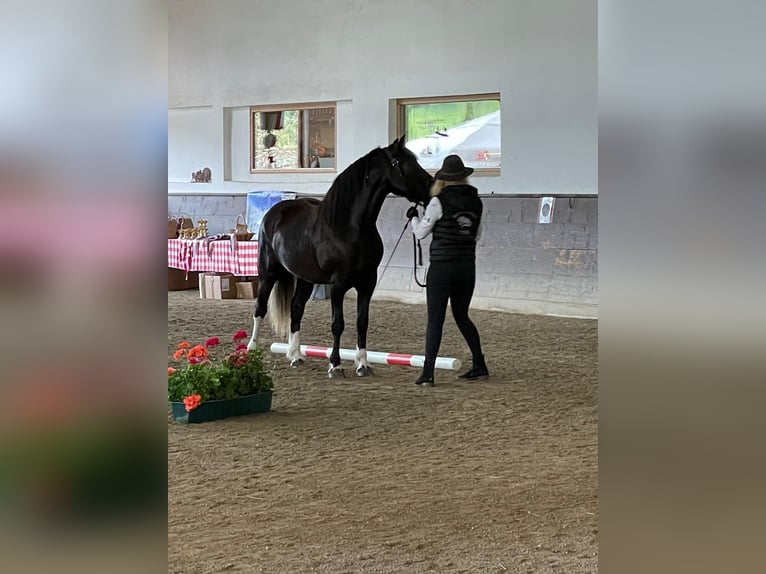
{"x": 292, "y": 137}
{"x": 468, "y": 126}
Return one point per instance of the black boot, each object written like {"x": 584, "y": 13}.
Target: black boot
{"x": 478, "y": 370}
{"x": 426, "y": 378}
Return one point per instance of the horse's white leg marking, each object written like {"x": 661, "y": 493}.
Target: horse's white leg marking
{"x": 335, "y": 372}
{"x": 361, "y": 359}
{"x": 294, "y": 348}
{"x": 254, "y": 337}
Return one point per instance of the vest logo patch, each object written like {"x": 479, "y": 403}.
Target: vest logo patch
{"x": 464, "y": 222}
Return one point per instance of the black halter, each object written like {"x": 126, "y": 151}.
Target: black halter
{"x": 394, "y": 161}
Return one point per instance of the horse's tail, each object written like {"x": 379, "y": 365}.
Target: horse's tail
{"x": 279, "y": 305}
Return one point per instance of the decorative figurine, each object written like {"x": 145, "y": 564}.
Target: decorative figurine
{"x": 202, "y": 176}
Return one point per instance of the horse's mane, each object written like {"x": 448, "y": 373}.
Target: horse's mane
{"x": 336, "y": 206}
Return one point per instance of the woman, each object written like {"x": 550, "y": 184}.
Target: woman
{"x": 452, "y": 217}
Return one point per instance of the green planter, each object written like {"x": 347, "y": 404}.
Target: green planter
{"x": 213, "y": 410}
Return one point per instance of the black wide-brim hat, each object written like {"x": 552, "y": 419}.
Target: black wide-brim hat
{"x": 453, "y": 169}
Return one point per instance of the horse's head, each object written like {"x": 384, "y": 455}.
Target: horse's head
{"x": 405, "y": 175}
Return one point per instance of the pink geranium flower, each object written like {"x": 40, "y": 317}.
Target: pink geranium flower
{"x": 212, "y": 342}
{"x": 239, "y": 335}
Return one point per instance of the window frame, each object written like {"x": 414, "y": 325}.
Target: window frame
{"x": 401, "y": 117}
{"x": 291, "y": 107}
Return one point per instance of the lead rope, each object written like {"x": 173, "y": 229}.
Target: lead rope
{"x": 417, "y": 259}
{"x": 392, "y": 253}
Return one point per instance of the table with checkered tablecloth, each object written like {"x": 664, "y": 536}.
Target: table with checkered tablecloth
{"x": 239, "y": 258}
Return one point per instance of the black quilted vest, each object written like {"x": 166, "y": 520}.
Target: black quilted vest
{"x": 454, "y": 235}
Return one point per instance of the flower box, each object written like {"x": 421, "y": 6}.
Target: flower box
{"x": 202, "y": 387}
{"x": 220, "y": 409}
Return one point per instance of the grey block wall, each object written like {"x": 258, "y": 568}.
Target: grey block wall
{"x": 221, "y": 211}
{"x": 522, "y": 265}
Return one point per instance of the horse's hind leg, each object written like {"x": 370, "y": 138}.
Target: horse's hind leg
{"x": 336, "y": 297}
{"x": 303, "y": 291}
{"x": 265, "y": 285}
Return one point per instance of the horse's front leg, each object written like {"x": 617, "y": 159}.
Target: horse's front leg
{"x": 363, "y": 368}
{"x": 336, "y": 297}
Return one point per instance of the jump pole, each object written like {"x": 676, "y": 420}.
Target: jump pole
{"x": 372, "y": 356}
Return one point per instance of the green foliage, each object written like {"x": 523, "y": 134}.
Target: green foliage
{"x": 244, "y": 375}
{"x": 425, "y": 119}
{"x": 238, "y": 373}
{"x": 201, "y": 379}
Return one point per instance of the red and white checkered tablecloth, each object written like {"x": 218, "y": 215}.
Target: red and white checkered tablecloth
{"x": 194, "y": 255}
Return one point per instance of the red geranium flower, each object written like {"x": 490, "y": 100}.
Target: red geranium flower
{"x": 199, "y": 352}
{"x": 241, "y": 347}
{"x": 192, "y": 402}
{"x": 178, "y": 354}
{"x": 239, "y": 335}
{"x": 171, "y": 370}
{"x": 212, "y": 342}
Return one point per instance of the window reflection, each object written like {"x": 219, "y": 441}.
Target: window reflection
{"x": 298, "y": 138}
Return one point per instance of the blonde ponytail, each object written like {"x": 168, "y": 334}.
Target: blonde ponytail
{"x": 439, "y": 184}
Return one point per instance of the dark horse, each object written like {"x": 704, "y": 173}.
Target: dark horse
{"x": 334, "y": 241}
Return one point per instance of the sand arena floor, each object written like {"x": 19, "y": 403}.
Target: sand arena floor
{"x": 377, "y": 475}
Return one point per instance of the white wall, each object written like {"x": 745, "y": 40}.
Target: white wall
{"x": 191, "y": 142}
{"x": 540, "y": 55}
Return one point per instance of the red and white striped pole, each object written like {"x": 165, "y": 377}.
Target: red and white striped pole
{"x": 372, "y": 356}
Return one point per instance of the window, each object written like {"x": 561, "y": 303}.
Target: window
{"x": 468, "y": 126}
{"x": 292, "y": 137}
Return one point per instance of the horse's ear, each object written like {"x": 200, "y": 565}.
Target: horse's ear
{"x": 401, "y": 143}
{"x": 395, "y": 144}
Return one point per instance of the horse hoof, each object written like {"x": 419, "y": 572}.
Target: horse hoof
{"x": 336, "y": 373}
{"x": 295, "y": 363}
{"x": 364, "y": 371}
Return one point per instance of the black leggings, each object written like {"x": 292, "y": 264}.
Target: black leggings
{"x": 453, "y": 282}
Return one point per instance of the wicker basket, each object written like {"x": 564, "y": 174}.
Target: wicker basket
{"x": 172, "y": 228}
{"x": 176, "y": 226}
{"x": 241, "y": 231}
